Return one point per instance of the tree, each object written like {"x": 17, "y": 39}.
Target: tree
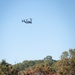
{"x": 48, "y": 58}
{"x": 72, "y": 53}
{"x": 64, "y": 55}
{"x": 66, "y": 66}
{"x": 3, "y": 62}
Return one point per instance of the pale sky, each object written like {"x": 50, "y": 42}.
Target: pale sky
{"x": 51, "y": 33}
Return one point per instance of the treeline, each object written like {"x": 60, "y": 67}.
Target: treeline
{"x": 46, "y": 66}
{"x": 33, "y": 63}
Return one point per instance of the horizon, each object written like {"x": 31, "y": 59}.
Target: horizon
{"x": 52, "y": 30}
{"x": 15, "y": 62}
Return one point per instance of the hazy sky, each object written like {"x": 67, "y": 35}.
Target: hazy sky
{"x": 51, "y": 33}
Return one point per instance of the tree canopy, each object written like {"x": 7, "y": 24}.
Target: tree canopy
{"x": 46, "y": 66}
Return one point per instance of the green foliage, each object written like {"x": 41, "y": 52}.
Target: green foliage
{"x": 64, "y": 55}
{"x": 7, "y": 69}
{"x": 66, "y": 66}
{"x": 47, "y": 66}
{"x": 48, "y": 58}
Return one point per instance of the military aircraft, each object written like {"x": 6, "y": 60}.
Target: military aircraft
{"x": 27, "y": 21}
